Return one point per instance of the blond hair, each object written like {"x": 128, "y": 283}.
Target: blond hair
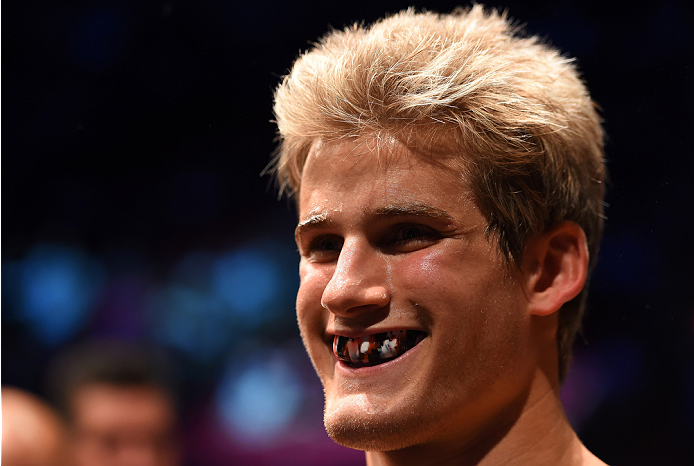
{"x": 510, "y": 108}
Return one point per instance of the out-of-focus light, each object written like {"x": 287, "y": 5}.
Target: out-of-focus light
{"x": 195, "y": 322}
{"x": 59, "y": 284}
{"x": 257, "y": 402}
{"x": 210, "y": 302}
{"x": 248, "y": 280}
{"x": 193, "y": 271}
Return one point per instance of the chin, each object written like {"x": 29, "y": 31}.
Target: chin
{"x": 359, "y": 427}
{"x": 366, "y": 436}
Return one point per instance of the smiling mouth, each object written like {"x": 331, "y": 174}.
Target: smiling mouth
{"x": 372, "y": 350}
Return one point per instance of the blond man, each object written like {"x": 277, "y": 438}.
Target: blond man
{"x": 449, "y": 178}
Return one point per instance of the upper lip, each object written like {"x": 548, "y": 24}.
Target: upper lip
{"x": 360, "y": 333}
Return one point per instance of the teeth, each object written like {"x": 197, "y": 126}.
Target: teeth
{"x": 375, "y": 349}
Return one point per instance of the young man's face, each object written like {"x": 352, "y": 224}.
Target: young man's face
{"x": 399, "y": 278}
{"x": 124, "y": 425}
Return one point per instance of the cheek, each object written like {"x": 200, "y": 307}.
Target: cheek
{"x": 458, "y": 269}
{"x": 313, "y": 320}
{"x": 437, "y": 273}
{"x": 313, "y": 281}
{"x": 457, "y": 289}
{"x": 311, "y": 316}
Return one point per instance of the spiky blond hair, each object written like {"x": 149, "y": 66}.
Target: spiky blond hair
{"x": 470, "y": 86}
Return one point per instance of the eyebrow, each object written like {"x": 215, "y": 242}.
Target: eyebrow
{"x": 318, "y": 221}
{"x": 322, "y": 221}
{"x": 415, "y": 209}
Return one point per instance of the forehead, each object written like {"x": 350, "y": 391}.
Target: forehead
{"x": 365, "y": 180}
{"x": 104, "y": 404}
{"x": 377, "y": 160}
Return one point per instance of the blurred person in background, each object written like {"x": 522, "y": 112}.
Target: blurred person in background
{"x": 33, "y": 433}
{"x": 449, "y": 178}
{"x": 120, "y": 404}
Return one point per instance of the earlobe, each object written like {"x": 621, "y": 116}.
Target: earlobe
{"x": 556, "y": 267}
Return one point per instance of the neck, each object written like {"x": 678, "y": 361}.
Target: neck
{"x": 539, "y": 435}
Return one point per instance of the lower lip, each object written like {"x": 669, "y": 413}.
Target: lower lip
{"x": 343, "y": 368}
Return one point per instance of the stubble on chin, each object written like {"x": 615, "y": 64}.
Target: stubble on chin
{"x": 355, "y": 423}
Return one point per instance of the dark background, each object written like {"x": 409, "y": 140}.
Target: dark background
{"x": 133, "y": 138}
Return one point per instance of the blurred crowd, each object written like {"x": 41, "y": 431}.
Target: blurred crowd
{"x": 116, "y": 406}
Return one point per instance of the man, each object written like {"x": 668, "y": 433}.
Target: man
{"x": 33, "y": 434}
{"x": 119, "y": 402}
{"x": 448, "y": 175}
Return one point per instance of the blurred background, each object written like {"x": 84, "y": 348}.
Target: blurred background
{"x": 134, "y": 135}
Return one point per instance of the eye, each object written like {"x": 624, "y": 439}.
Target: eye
{"x": 411, "y": 237}
{"x": 323, "y": 248}
{"x": 409, "y": 232}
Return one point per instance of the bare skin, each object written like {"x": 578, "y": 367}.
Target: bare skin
{"x": 124, "y": 426}
{"x": 391, "y": 243}
{"x": 541, "y": 436}
{"x": 32, "y": 432}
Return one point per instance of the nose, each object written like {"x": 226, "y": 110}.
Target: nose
{"x": 359, "y": 281}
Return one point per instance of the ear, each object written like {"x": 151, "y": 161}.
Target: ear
{"x": 555, "y": 264}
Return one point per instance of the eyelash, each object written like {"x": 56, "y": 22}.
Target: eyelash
{"x": 324, "y": 247}
{"x": 326, "y": 243}
{"x": 423, "y": 233}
